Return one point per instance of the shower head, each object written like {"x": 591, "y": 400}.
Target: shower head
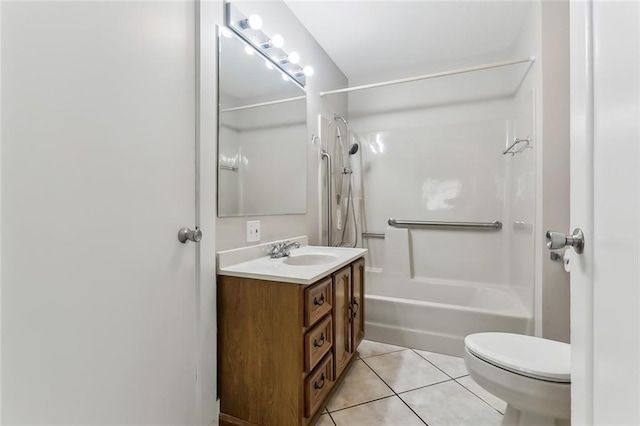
{"x": 341, "y": 118}
{"x": 354, "y": 148}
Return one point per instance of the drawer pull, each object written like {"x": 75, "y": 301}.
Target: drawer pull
{"x": 322, "y": 340}
{"x": 317, "y": 386}
{"x": 319, "y": 302}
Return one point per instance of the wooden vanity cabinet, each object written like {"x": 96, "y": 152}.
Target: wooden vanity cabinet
{"x": 282, "y": 347}
{"x": 342, "y": 350}
{"x": 357, "y": 301}
{"x": 348, "y": 299}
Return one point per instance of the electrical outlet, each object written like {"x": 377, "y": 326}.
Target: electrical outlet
{"x": 253, "y": 231}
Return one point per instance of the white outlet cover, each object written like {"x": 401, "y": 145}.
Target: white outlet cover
{"x": 253, "y": 231}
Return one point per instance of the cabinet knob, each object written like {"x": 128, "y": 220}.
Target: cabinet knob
{"x": 317, "y": 386}
{"x": 319, "y": 302}
{"x": 354, "y": 311}
{"x": 322, "y": 340}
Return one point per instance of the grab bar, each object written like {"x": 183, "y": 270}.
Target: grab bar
{"x": 325, "y": 154}
{"x": 372, "y": 235}
{"x": 489, "y": 226}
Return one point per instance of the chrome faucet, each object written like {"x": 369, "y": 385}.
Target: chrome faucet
{"x": 281, "y": 249}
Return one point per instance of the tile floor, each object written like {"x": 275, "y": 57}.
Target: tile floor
{"x": 395, "y": 386}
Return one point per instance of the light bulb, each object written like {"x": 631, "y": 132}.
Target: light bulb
{"x": 277, "y": 41}
{"x": 308, "y": 70}
{"x": 294, "y": 57}
{"x": 269, "y": 65}
{"x": 225, "y": 32}
{"x": 248, "y": 50}
{"x": 255, "y": 22}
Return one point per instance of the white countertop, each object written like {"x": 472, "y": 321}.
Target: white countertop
{"x": 262, "y": 267}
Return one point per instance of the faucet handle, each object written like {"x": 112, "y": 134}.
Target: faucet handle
{"x": 281, "y": 249}
{"x": 273, "y": 248}
{"x": 276, "y": 249}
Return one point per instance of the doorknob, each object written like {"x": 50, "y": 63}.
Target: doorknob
{"x": 186, "y": 234}
{"x": 558, "y": 240}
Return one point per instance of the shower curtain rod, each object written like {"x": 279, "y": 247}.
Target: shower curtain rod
{"x": 279, "y": 101}
{"x": 530, "y": 59}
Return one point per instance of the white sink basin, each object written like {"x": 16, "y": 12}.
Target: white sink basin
{"x": 310, "y": 259}
{"x": 306, "y": 265}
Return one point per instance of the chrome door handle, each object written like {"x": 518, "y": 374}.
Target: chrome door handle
{"x": 558, "y": 240}
{"x": 186, "y": 234}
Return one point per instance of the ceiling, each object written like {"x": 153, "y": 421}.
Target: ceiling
{"x": 371, "y": 39}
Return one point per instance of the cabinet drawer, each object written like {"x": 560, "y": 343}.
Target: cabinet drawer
{"x": 318, "y": 385}
{"x": 317, "y": 301}
{"x": 317, "y": 343}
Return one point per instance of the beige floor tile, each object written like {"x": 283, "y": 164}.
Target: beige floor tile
{"x": 385, "y": 412}
{"x": 487, "y": 396}
{"x": 451, "y": 404}
{"x": 370, "y": 348}
{"x": 405, "y": 370}
{"x": 452, "y": 365}
{"x": 325, "y": 420}
{"x": 360, "y": 385}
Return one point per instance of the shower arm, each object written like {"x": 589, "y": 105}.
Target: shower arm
{"x": 325, "y": 154}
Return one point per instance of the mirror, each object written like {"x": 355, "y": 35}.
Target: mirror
{"x": 262, "y": 131}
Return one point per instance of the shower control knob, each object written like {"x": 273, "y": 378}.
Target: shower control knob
{"x": 558, "y": 240}
{"x": 186, "y": 234}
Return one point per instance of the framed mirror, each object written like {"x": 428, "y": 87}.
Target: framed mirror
{"x": 262, "y": 131}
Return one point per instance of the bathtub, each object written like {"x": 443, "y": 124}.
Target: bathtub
{"x": 436, "y": 315}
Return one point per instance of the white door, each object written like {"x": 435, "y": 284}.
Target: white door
{"x": 605, "y": 296}
{"x": 98, "y": 153}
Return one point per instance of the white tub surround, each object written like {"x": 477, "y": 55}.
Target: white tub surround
{"x": 436, "y": 315}
{"x": 397, "y": 252}
{"x": 254, "y": 262}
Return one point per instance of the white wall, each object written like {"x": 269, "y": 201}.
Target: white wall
{"x": 278, "y": 19}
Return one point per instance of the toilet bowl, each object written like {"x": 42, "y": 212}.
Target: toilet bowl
{"x": 532, "y": 375}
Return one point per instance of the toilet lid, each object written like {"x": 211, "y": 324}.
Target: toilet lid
{"x": 526, "y": 355}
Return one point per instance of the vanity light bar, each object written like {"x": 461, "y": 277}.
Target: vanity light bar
{"x": 269, "y": 48}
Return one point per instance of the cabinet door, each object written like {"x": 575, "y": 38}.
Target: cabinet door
{"x": 342, "y": 319}
{"x": 357, "y": 303}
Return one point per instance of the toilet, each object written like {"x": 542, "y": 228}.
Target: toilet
{"x": 533, "y": 375}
